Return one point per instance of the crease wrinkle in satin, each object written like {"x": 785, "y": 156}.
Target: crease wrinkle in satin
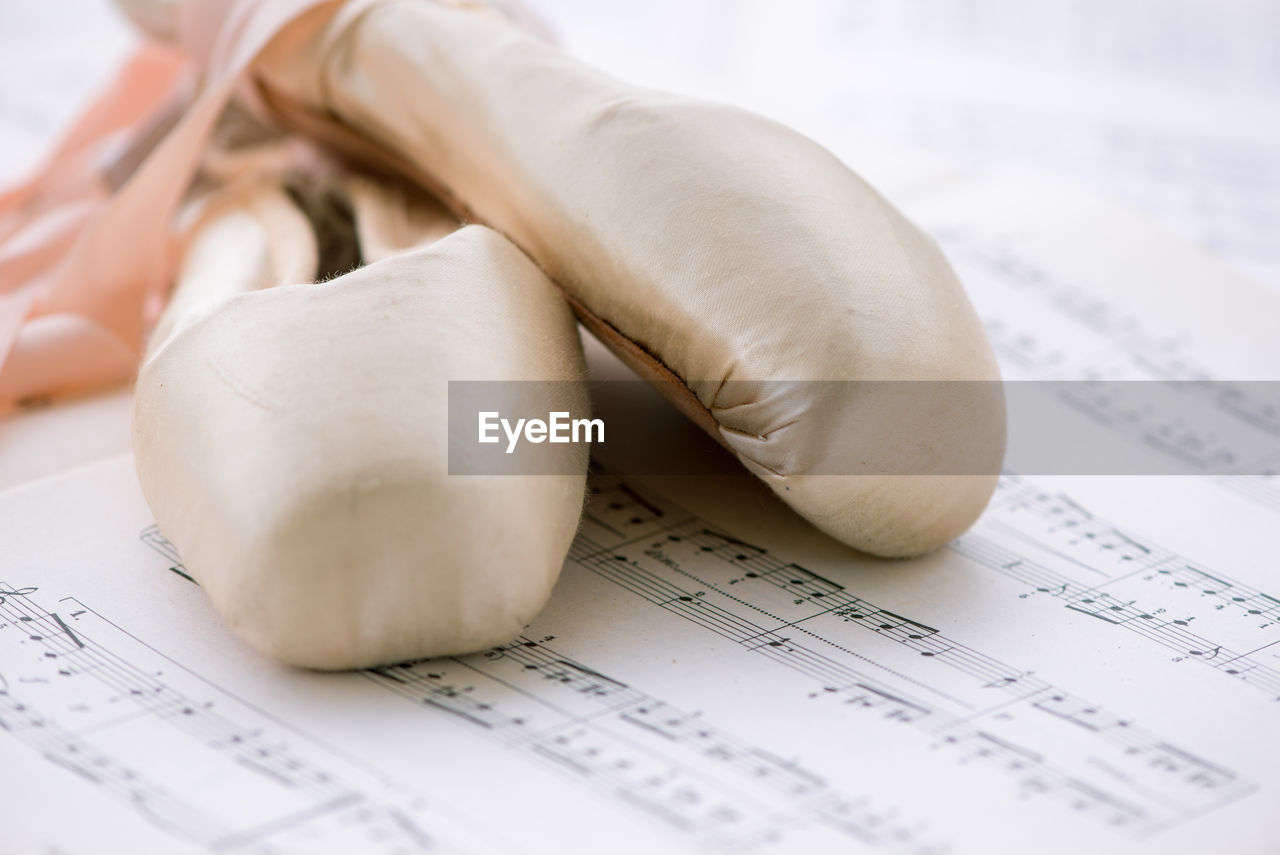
{"x": 74, "y": 320}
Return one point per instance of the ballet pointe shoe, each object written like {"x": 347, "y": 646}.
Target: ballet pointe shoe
{"x": 292, "y": 442}
{"x": 772, "y": 294}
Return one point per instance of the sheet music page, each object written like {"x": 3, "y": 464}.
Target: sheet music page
{"x": 1092, "y": 668}
{"x": 1173, "y": 108}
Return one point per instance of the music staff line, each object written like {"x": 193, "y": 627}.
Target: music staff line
{"x": 626, "y": 571}
{"x": 668, "y": 787}
{"x": 1017, "y": 494}
{"x": 864, "y": 692}
{"x": 861, "y": 688}
{"x": 423, "y": 684}
{"x": 1159, "y": 356}
{"x": 923, "y": 639}
{"x": 1126, "y": 349}
{"x": 1143, "y": 561}
{"x": 69, "y": 655}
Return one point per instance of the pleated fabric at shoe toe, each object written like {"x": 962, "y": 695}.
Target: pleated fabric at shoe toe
{"x": 769, "y": 291}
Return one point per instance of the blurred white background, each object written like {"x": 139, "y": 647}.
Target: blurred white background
{"x": 1172, "y": 106}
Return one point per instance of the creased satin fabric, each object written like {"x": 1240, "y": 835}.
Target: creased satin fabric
{"x": 718, "y": 253}
{"x": 750, "y": 274}
{"x": 84, "y": 263}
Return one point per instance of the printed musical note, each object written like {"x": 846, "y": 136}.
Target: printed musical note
{"x": 231, "y": 777}
{"x": 771, "y": 607}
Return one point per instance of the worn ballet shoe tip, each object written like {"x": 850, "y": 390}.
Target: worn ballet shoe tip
{"x": 293, "y": 445}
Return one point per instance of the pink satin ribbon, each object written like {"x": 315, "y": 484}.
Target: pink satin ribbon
{"x": 84, "y": 265}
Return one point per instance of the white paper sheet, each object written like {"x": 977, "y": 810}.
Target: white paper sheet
{"x": 1094, "y": 667}
{"x": 1172, "y": 107}
{"x": 49, "y": 439}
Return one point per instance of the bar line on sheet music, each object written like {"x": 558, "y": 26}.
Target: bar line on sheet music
{"x": 932, "y": 689}
{"x": 977, "y": 714}
{"x": 796, "y": 624}
{"x": 1014, "y": 533}
{"x": 573, "y": 717}
{"x": 348, "y": 757}
{"x": 787, "y": 625}
{"x": 1249, "y": 653}
{"x": 1114, "y": 579}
